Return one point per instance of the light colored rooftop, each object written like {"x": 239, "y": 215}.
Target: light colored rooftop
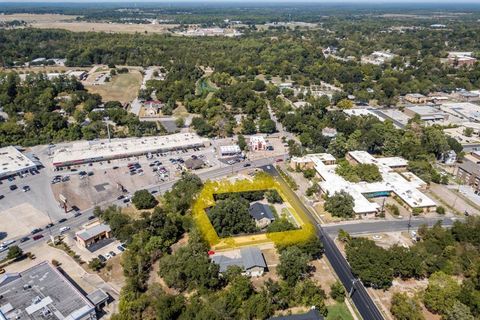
{"x": 13, "y": 161}
{"x": 362, "y": 112}
{"x": 404, "y": 185}
{"x": 230, "y": 149}
{"x": 89, "y": 233}
{"x": 103, "y": 149}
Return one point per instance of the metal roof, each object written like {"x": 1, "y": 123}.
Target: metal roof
{"x": 92, "y": 232}
{"x": 245, "y": 258}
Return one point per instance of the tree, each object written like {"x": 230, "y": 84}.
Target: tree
{"x": 405, "y": 308}
{"x": 143, "y": 199}
{"x": 293, "y": 265}
{"x": 14, "y": 252}
{"x": 242, "y": 143}
{"x": 95, "y": 264}
{"x": 441, "y": 293}
{"x": 458, "y": 311}
{"x": 337, "y": 291}
{"x": 345, "y": 104}
{"x": 273, "y": 196}
{"x": 180, "y": 122}
{"x": 231, "y": 216}
{"x": 440, "y": 210}
{"x": 340, "y": 205}
{"x": 309, "y": 173}
{"x": 280, "y": 225}
{"x": 267, "y": 126}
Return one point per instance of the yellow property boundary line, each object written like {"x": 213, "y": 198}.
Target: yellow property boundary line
{"x": 261, "y": 181}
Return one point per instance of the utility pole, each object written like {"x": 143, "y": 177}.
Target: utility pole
{"x": 108, "y": 127}
{"x": 352, "y": 288}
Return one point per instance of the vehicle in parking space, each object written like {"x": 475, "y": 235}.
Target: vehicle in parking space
{"x": 151, "y": 164}
{"x": 11, "y": 178}
{"x": 26, "y": 188}
{"x": 64, "y": 229}
{"x": 1, "y": 196}
{"x": 82, "y": 173}
{"x": 279, "y": 160}
{"x": 73, "y": 170}
{"x": 153, "y": 191}
{"x": 90, "y": 173}
{"x": 108, "y": 256}
{"x": 91, "y": 217}
{"x": 7, "y": 243}
{"x": 121, "y": 248}
{"x": 13, "y": 187}
{"x": 24, "y": 239}
{"x": 231, "y": 162}
{"x": 66, "y": 178}
{"x": 194, "y": 157}
{"x": 48, "y": 226}
{"x": 38, "y": 236}
{"x": 62, "y": 220}
{"x": 3, "y": 249}
{"x": 247, "y": 164}
{"x": 113, "y": 254}
{"x": 133, "y": 173}
{"x": 36, "y": 230}
{"x": 102, "y": 258}
{"x": 126, "y": 200}
{"x": 115, "y": 168}
{"x": 120, "y": 197}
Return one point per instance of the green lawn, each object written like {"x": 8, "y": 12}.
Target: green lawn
{"x": 338, "y": 311}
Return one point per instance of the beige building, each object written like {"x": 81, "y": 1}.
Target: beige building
{"x": 93, "y": 234}
{"x": 416, "y": 98}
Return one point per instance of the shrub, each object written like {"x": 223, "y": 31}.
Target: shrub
{"x": 440, "y": 210}
{"x": 337, "y": 292}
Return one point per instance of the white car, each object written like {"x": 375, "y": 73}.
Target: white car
{"x": 64, "y": 229}
{"x": 7, "y": 243}
{"x": 108, "y": 256}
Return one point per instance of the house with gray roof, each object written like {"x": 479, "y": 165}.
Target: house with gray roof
{"x": 262, "y": 214}
{"x": 310, "y": 315}
{"x": 249, "y": 259}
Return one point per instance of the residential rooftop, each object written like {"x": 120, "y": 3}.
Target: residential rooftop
{"x": 245, "y": 258}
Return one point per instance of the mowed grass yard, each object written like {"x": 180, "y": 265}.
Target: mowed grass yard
{"x": 338, "y": 311}
{"x": 122, "y": 87}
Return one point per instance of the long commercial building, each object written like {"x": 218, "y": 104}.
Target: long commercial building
{"x": 92, "y": 151}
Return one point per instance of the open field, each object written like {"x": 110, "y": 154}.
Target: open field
{"x": 338, "y": 311}
{"x": 37, "y": 18}
{"x": 123, "y": 87}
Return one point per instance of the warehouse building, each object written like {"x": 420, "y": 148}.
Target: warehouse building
{"x": 12, "y": 162}
{"x": 92, "y": 151}
{"x": 42, "y": 292}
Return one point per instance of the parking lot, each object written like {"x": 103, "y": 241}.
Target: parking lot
{"x": 93, "y": 184}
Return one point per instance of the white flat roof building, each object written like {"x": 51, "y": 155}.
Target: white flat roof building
{"x": 13, "y": 161}
{"x": 362, "y": 112}
{"x": 230, "y": 150}
{"x": 405, "y": 185}
{"x": 464, "y": 110}
{"x": 90, "y": 151}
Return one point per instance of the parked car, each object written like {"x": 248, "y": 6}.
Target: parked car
{"x": 247, "y": 164}
{"x": 26, "y": 188}
{"x": 113, "y": 254}
{"x": 91, "y": 217}
{"x": 1, "y": 196}
{"x": 108, "y": 256}
{"x": 7, "y": 243}
{"x": 37, "y": 237}
{"x": 24, "y": 239}
{"x": 120, "y": 197}
{"x": 3, "y": 249}
{"x": 121, "y": 248}
{"x": 36, "y": 230}
{"x": 13, "y": 187}
{"x": 48, "y": 226}
{"x": 102, "y": 258}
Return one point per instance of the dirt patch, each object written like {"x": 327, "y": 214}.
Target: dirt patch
{"x": 21, "y": 219}
{"x": 113, "y": 272}
{"x": 323, "y": 274}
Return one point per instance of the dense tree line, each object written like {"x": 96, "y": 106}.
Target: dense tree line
{"x": 449, "y": 258}
{"x": 43, "y": 111}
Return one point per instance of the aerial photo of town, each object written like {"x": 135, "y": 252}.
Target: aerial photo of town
{"x": 225, "y": 159}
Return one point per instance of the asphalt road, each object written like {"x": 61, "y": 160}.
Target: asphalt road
{"x": 358, "y": 228}
{"x": 359, "y": 295}
{"x": 76, "y": 222}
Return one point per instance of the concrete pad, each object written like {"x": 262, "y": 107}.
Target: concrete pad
{"x": 22, "y": 219}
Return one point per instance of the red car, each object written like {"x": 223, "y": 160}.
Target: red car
{"x": 38, "y": 236}
{"x": 279, "y": 160}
